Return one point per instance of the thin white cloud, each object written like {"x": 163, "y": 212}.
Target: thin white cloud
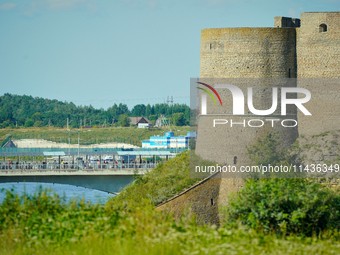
{"x": 7, "y": 6}
{"x": 293, "y": 13}
{"x": 152, "y": 4}
{"x": 215, "y": 2}
{"x": 63, "y": 4}
{"x": 220, "y": 3}
{"x": 40, "y": 6}
{"x": 141, "y": 4}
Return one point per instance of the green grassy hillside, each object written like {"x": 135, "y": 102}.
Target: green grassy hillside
{"x": 90, "y": 136}
{"x": 163, "y": 182}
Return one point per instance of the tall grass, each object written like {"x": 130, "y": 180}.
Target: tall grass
{"x": 45, "y": 224}
{"x": 163, "y": 182}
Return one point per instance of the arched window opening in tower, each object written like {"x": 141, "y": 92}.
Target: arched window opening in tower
{"x": 323, "y": 28}
{"x": 235, "y": 160}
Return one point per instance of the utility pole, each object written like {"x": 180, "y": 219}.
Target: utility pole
{"x": 169, "y": 100}
{"x": 176, "y": 145}
{"x": 69, "y": 140}
{"x": 69, "y": 143}
{"x": 84, "y": 122}
{"x": 78, "y": 146}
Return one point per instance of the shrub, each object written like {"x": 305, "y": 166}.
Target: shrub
{"x": 29, "y": 123}
{"x": 38, "y": 123}
{"x": 285, "y": 206}
{"x": 164, "y": 181}
{"x": 124, "y": 120}
{"x": 5, "y": 124}
{"x": 178, "y": 119}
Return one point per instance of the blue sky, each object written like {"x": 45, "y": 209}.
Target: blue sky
{"x": 119, "y": 51}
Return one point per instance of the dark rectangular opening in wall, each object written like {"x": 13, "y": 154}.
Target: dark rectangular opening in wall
{"x": 212, "y": 201}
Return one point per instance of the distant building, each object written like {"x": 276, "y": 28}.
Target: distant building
{"x": 162, "y": 121}
{"x": 140, "y": 122}
{"x": 168, "y": 141}
{"x": 9, "y": 144}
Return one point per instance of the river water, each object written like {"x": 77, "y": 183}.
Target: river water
{"x": 69, "y": 191}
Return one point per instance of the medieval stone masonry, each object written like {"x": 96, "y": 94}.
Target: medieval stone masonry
{"x": 307, "y": 48}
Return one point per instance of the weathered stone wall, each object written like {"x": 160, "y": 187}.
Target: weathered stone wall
{"x": 286, "y": 22}
{"x": 204, "y": 199}
{"x": 227, "y": 187}
{"x": 318, "y": 56}
{"x": 324, "y": 106}
{"x": 318, "y": 53}
{"x": 243, "y": 53}
{"x": 247, "y": 53}
{"x": 286, "y": 51}
{"x": 201, "y": 199}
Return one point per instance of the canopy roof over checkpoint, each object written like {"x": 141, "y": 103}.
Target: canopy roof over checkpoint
{"x": 10, "y": 152}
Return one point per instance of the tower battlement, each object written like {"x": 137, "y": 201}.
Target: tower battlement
{"x": 294, "y": 48}
{"x": 306, "y": 48}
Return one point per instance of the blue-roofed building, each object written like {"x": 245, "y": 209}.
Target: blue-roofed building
{"x": 169, "y": 140}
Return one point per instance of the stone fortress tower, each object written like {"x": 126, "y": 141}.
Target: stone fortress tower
{"x": 308, "y": 48}
{"x": 293, "y": 48}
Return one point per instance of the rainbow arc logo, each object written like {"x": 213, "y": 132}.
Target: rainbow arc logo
{"x": 209, "y": 93}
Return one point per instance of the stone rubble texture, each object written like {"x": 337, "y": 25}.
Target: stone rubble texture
{"x": 293, "y": 48}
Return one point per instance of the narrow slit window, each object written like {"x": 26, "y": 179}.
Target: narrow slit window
{"x": 235, "y": 160}
{"x": 212, "y": 201}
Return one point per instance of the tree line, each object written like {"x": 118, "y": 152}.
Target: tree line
{"x": 28, "y": 111}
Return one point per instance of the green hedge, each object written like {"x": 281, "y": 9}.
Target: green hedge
{"x": 286, "y": 206}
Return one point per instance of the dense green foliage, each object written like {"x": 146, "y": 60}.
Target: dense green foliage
{"x": 283, "y": 205}
{"x": 163, "y": 182}
{"x": 286, "y": 206}
{"x": 45, "y": 224}
{"x": 179, "y": 119}
{"x": 23, "y": 110}
{"x": 124, "y": 120}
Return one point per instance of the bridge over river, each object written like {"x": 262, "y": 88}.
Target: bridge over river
{"x": 109, "y": 180}
{"x": 101, "y": 175}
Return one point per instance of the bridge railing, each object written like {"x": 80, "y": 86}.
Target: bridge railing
{"x": 76, "y": 166}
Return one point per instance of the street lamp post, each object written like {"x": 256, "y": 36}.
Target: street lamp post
{"x": 69, "y": 143}
{"x": 78, "y": 145}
